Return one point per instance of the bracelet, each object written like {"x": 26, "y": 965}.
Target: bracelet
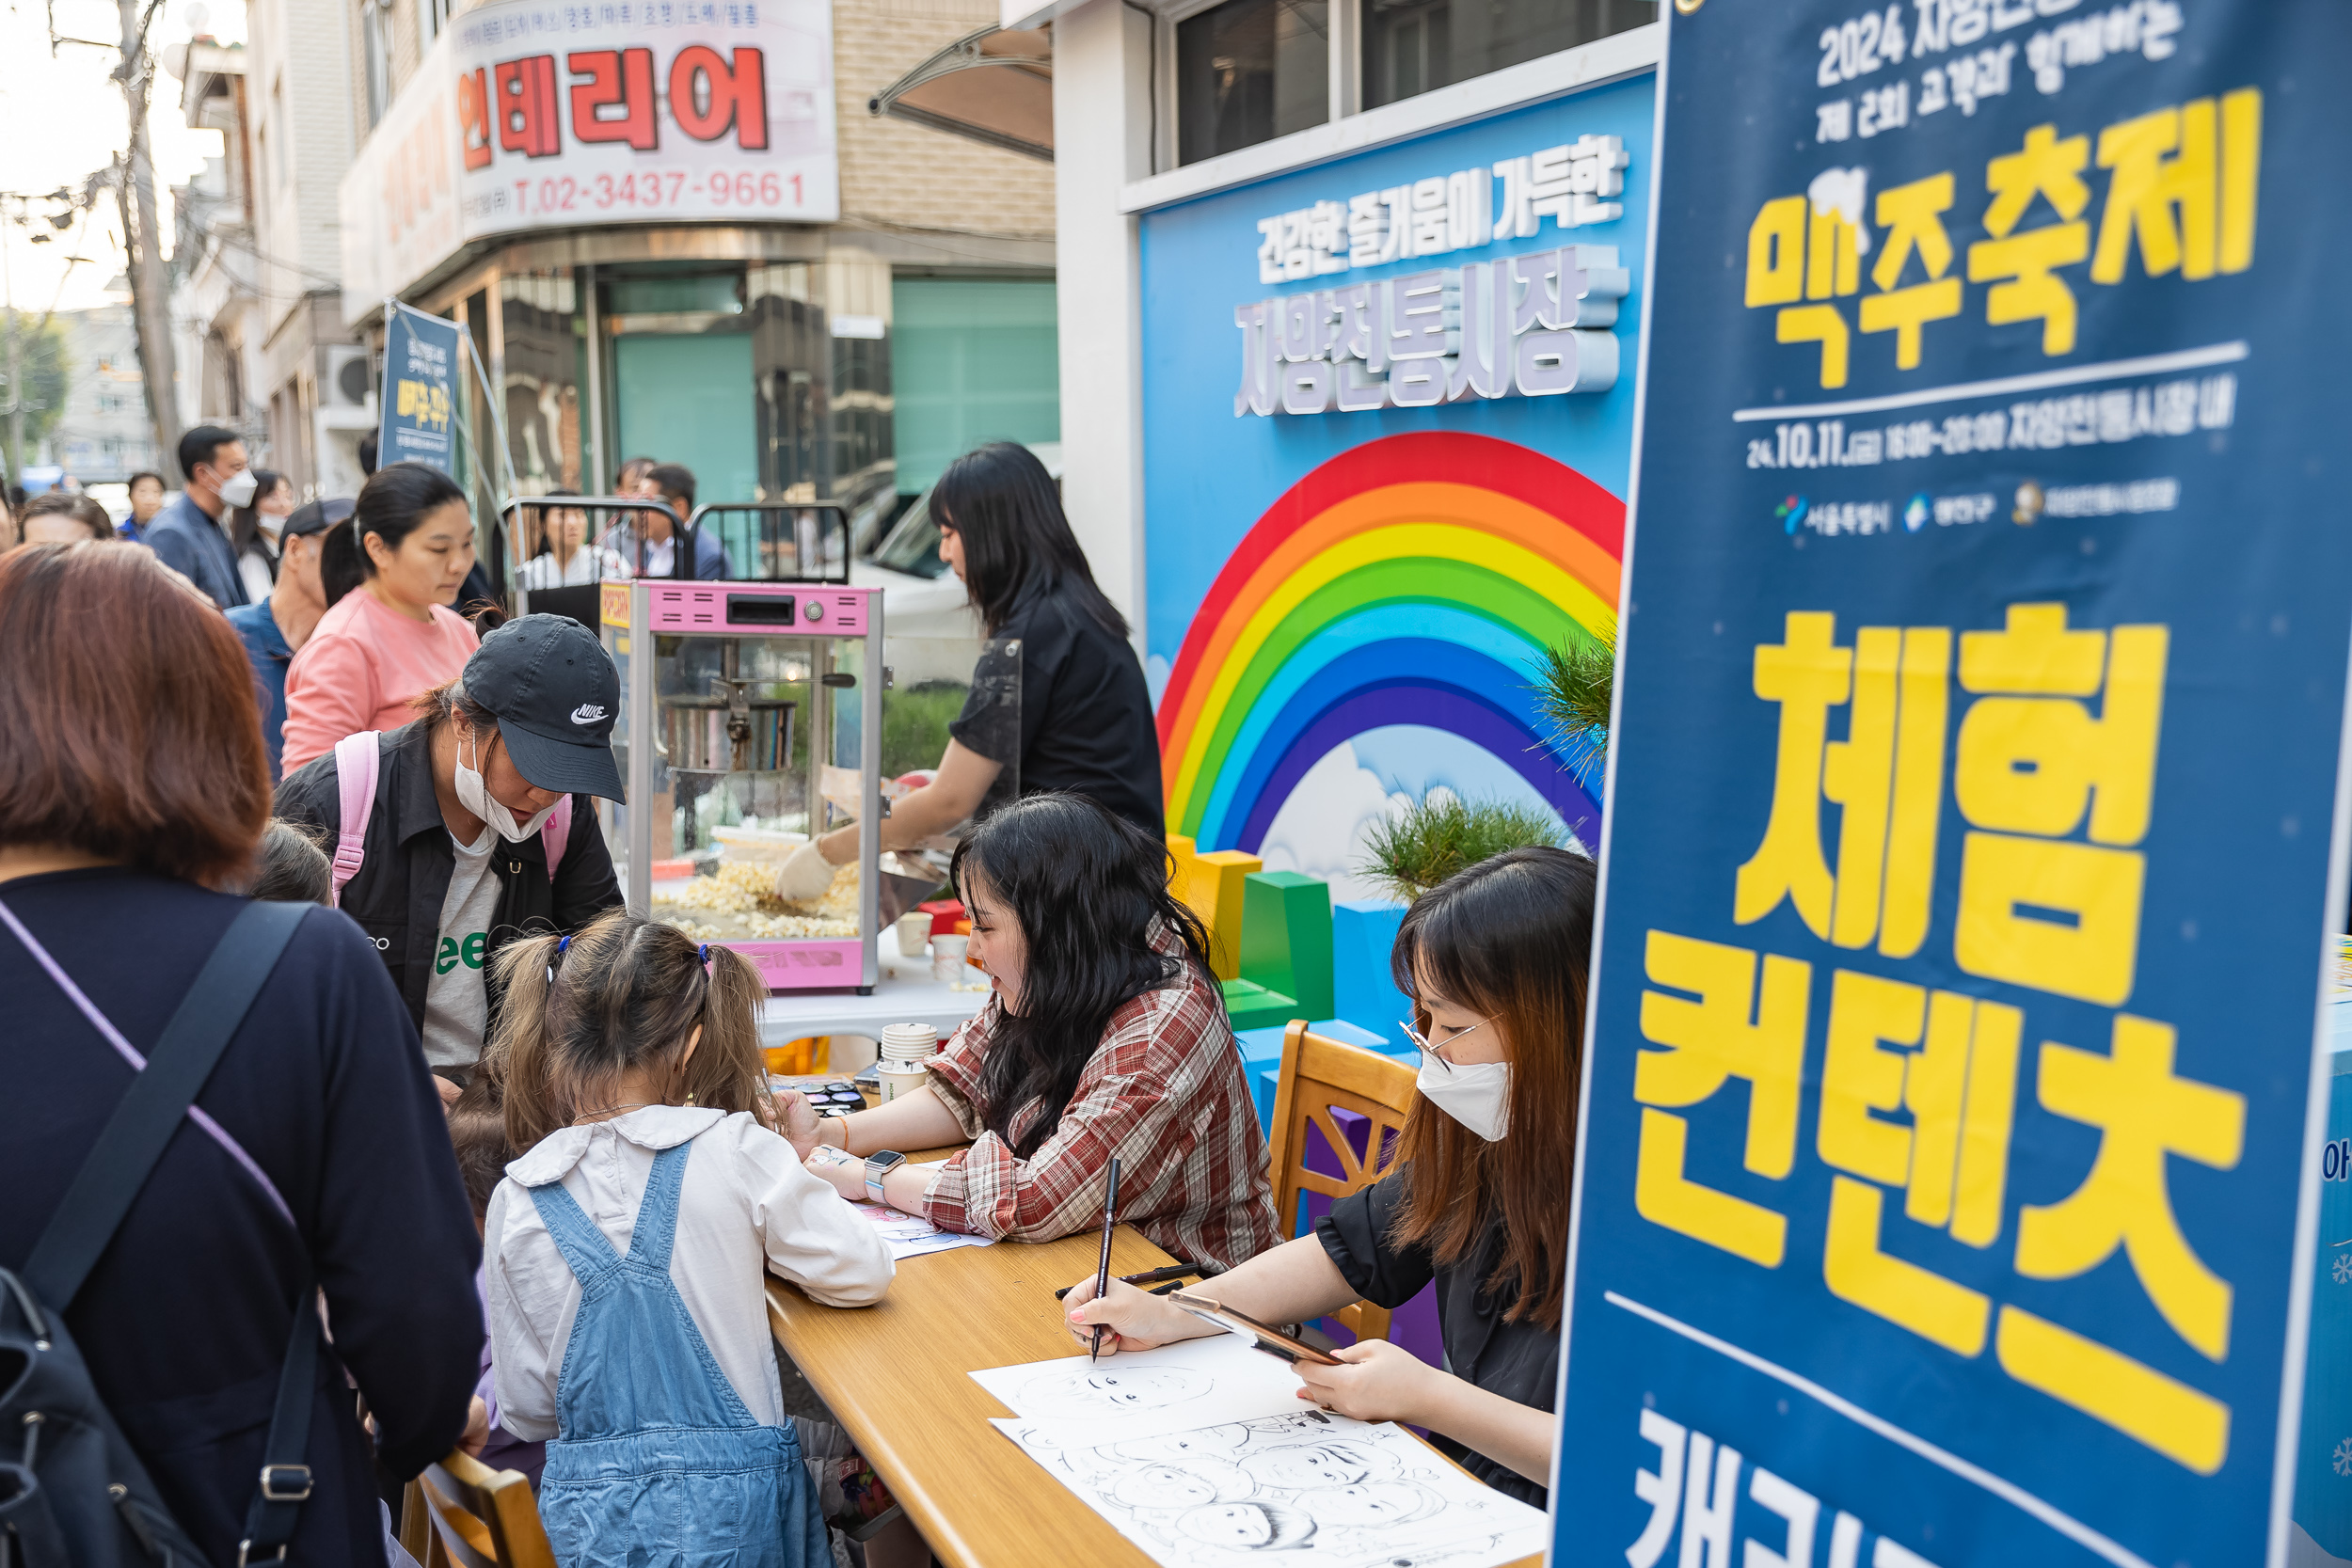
{"x": 843, "y": 1122}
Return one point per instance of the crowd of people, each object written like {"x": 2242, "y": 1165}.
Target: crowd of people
{"x": 520, "y": 1143}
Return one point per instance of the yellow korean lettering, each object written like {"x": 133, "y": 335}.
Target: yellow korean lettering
{"x": 2241, "y": 170}
{"x": 2034, "y": 653}
{"x": 1986, "y": 1118}
{"x": 2019, "y": 264}
{"x": 2035, "y": 764}
{"x": 1832, "y": 255}
{"x": 1887, "y": 774}
{"x": 1858, "y": 1078}
{"x": 2053, "y": 915}
{"x": 2163, "y": 165}
{"x": 1901, "y": 1291}
{"x": 1735, "y": 1029}
{"x": 1935, "y": 1091}
{"x": 1822, "y": 324}
{"x": 2144, "y": 1114}
{"x": 1912, "y": 215}
{"x": 2186, "y": 1426}
{"x": 1917, "y": 798}
{"x": 1806, "y": 676}
{"x": 1776, "y": 253}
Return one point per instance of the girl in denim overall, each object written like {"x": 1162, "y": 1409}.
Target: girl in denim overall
{"x": 635, "y": 1085}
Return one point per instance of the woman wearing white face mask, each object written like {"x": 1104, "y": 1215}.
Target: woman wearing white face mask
{"x": 1497, "y": 959}
{"x": 479, "y": 824}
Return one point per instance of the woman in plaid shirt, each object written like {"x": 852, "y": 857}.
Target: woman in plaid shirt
{"x": 1106, "y": 1035}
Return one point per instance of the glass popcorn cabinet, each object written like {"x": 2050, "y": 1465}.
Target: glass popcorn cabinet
{"x": 751, "y": 720}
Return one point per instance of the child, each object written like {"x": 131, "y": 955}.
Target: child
{"x": 633, "y": 1082}
{"x": 290, "y": 865}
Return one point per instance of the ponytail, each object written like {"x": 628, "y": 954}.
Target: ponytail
{"x": 534, "y": 1106}
{"x": 341, "y": 566}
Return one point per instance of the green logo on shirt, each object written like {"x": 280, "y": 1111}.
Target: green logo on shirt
{"x": 452, "y": 953}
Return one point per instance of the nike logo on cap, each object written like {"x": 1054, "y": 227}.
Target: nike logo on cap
{"x": 586, "y": 713}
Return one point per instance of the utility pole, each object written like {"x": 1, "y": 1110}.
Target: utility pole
{"x": 150, "y": 294}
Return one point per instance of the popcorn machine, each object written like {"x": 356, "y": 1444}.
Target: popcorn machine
{"x": 751, "y": 721}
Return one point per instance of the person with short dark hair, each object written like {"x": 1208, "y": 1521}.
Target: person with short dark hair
{"x": 368, "y": 446}
{"x": 276, "y": 629}
{"x": 654, "y": 555}
{"x": 147, "y": 498}
{"x": 63, "y": 517}
{"x": 191, "y": 534}
{"x": 133, "y": 792}
{"x": 395, "y": 637}
{"x": 455, "y": 854}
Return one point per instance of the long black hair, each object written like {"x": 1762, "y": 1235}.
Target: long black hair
{"x": 1088, "y": 889}
{"x": 1017, "y": 542}
{"x": 245, "y": 522}
{"x": 390, "y": 505}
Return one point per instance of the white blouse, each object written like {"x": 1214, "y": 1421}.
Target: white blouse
{"x": 745, "y": 1209}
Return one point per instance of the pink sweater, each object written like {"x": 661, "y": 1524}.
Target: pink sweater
{"x": 361, "y": 669}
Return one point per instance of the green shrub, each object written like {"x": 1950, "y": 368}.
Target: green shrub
{"x": 1574, "y": 681}
{"x": 914, "y": 724}
{"x": 1423, "y": 844}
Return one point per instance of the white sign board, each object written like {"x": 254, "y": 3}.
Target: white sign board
{"x": 526, "y": 117}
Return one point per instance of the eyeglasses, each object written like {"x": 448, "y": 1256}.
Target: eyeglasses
{"x": 1437, "y": 1054}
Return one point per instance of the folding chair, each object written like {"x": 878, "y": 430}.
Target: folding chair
{"x": 461, "y": 1513}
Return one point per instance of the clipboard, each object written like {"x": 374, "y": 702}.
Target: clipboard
{"x": 1263, "y": 1337}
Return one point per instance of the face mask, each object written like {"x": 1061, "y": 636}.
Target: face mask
{"x": 478, "y": 799}
{"x": 1477, "y": 1094}
{"x": 238, "y": 488}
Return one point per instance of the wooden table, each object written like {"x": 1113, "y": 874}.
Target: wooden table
{"x": 893, "y": 1374}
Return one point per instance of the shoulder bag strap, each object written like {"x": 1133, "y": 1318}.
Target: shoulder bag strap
{"x": 356, "y": 762}
{"x": 150, "y": 1112}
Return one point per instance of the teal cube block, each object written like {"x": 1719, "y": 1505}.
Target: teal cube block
{"x": 1363, "y": 933}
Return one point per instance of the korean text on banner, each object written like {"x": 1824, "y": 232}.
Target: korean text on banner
{"x": 420, "y": 398}
{"x": 1975, "y": 820}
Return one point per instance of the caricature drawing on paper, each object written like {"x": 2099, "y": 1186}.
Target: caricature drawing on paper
{"x": 1306, "y": 1489}
{"x": 1109, "y": 1389}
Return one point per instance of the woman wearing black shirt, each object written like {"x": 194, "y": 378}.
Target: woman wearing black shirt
{"x": 1496, "y": 959}
{"x": 1083, "y": 720}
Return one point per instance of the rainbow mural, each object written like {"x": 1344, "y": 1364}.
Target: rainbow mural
{"x": 1413, "y": 579}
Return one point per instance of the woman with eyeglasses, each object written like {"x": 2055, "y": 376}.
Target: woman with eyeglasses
{"x": 1496, "y": 959}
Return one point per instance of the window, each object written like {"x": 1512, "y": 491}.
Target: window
{"x": 379, "y": 61}
{"x": 1411, "y": 46}
{"x": 1250, "y": 70}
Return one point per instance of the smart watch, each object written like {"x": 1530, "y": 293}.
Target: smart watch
{"x": 877, "y": 1166}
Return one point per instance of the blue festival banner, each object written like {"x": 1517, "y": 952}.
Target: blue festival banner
{"x": 1951, "y": 1126}
{"x": 418, "y": 405}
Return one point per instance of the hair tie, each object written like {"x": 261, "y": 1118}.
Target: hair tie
{"x": 561, "y": 944}
{"x": 703, "y": 957}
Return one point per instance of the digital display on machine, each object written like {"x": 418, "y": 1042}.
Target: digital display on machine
{"x": 759, "y": 609}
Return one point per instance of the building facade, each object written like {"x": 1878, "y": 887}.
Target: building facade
{"x": 675, "y": 230}
{"x": 1350, "y": 296}
{"x": 101, "y": 435}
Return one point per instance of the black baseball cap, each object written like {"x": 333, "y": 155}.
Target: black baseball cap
{"x": 556, "y": 695}
{"x": 317, "y": 516}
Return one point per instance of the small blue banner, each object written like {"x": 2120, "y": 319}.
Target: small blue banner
{"x": 420, "y": 401}
{"x": 1951, "y": 1143}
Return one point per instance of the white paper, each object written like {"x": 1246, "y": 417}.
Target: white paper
{"x": 1178, "y": 1387}
{"x": 912, "y": 1235}
{"x": 1313, "y": 1487}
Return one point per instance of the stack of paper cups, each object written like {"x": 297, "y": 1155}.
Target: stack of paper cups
{"x": 905, "y": 1048}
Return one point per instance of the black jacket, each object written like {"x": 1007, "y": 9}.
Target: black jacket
{"x": 404, "y": 878}
{"x": 185, "y": 1319}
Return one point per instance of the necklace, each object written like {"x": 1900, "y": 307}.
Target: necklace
{"x": 600, "y": 1112}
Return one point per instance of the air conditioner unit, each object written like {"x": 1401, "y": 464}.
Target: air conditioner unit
{"x": 349, "y": 377}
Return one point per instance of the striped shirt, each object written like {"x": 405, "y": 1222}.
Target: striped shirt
{"x": 1163, "y": 1092}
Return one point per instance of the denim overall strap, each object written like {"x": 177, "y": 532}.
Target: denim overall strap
{"x": 574, "y": 1234}
{"x": 656, "y": 1215}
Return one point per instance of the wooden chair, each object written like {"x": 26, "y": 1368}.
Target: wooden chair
{"x": 1321, "y": 1075}
{"x": 461, "y": 1513}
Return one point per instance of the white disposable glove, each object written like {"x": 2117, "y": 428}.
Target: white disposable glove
{"x": 804, "y": 878}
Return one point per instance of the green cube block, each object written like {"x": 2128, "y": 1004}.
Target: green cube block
{"x": 1286, "y": 940}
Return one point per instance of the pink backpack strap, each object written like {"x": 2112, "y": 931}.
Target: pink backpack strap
{"x": 356, "y": 762}
{"x": 555, "y": 832}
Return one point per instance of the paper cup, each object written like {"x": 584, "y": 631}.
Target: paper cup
{"x": 913, "y": 931}
{"x": 947, "y": 955}
{"x": 909, "y": 1042}
{"x": 897, "y": 1079}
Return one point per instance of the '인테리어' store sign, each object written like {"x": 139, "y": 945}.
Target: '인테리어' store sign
{"x": 530, "y": 115}
{"x": 1975, "y": 820}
